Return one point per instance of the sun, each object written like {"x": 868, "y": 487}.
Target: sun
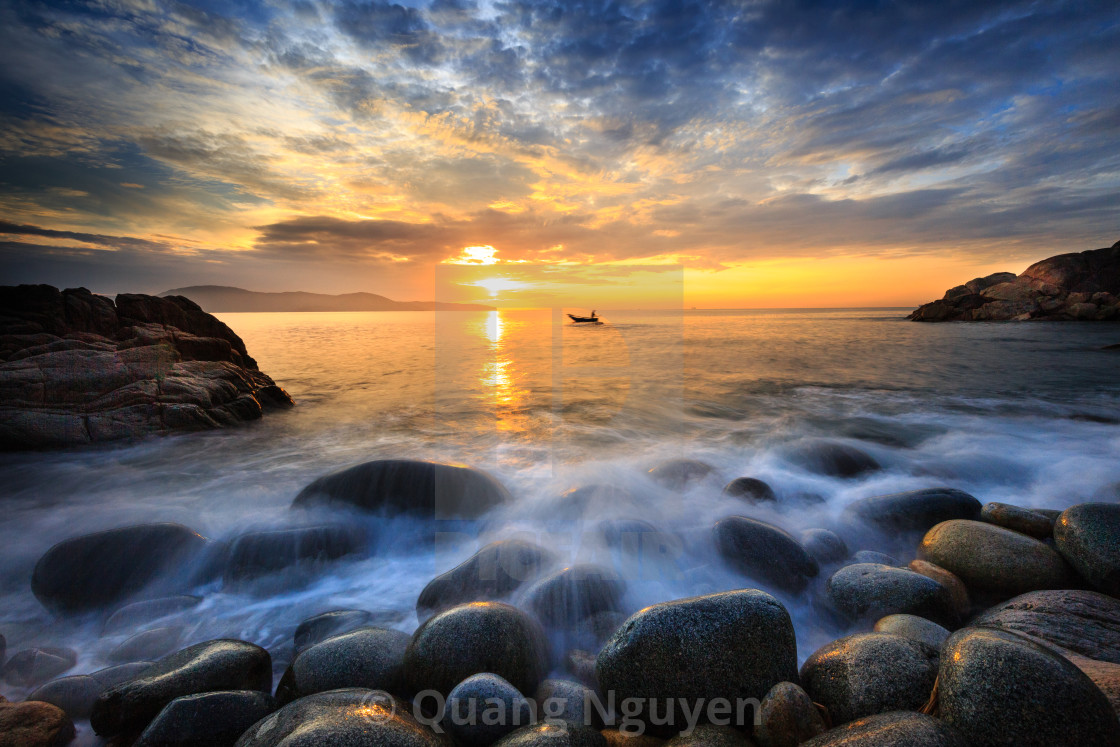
{"x": 475, "y": 255}
{"x": 496, "y": 285}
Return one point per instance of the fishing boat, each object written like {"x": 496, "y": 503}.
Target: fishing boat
{"x": 593, "y": 319}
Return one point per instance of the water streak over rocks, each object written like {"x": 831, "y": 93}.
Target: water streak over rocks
{"x": 912, "y": 511}
{"x": 494, "y": 572}
{"x": 764, "y": 552}
{"x": 571, "y": 595}
{"x": 831, "y": 458}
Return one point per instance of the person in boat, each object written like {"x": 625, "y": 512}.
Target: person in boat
{"x": 593, "y": 313}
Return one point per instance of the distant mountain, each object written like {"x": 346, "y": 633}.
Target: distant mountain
{"x": 217, "y": 298}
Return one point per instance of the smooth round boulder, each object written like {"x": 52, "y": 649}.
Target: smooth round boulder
{"x": 483, "y": 708}
{"x": 873, "y": 556}
{"x": 962, "y": 603}
{"x": 343, "y": 718}
{"x": 566, "y": 700}
{"x": 494, "y": 572}
{"x": 893, "y": 729}
{"x": 138, "y": 614}
{"x": 736, "y": 644}
{"x": 871, "y": 590}
{"x": 320, "y": 627}
{"x": 368, "y": 658}
{"x": 868, "y": 673}
{"x": 77, "y": 694}
{"x": 912, "y": 626}
{"x": 34, "y": 666}
{"x": 1088, "y": 536}
{"x": 565, "y": 598}
{"x": 474, "y": 638}
{"x": 104, "y": 568}
{"x": 588, "y": 501}
{"x": 1000, "y": 688}
{"x": 831, "y": 458}
{"x": 34, "y": 724}
{"x": 553, "y": 735}
{"x": 913, "y": 510}
{"x": 408, "y": 486}
{"x": 1017, "y": 519}
{"x": 148, "y": 645}
{"x": 751, "y": 490}
{"x": 764, "y": 552}
{"x": 824, "y": 545}
{"x": 1084, "y": 622}
{"x": 221, "y": 664}
{"x": 259, "y": 553}
{"x": 215, "y": 718}
{"x": 711, "y": 735}
{"x": 993, "y": 559}
{"x": 677, "y": 474}
{"x": 787, "y": 717}
{"x": 616, "y": 738}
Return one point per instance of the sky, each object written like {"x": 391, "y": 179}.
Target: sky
{"x": 780, "y": 152}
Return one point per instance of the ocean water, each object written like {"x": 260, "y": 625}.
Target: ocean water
{"x": 1023, "y": 413}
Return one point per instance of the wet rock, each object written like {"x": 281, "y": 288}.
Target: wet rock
{"x": 34, "y": 724}
{"x": 677, "y": 474}
{"x": 96, "y": 570}
{"x": 566, "y": 700}
{"x": 369, "y": 658}
{"x": 893, "y": 729}
{"x": 342, "y": 718}
{"x": 616, "y": 738}
{"x": 868, "y": 673}
{"x": 957, "y": 591}
{"x": 34, "y": 666}
{"x": 912, "y": 511}
{"x": 322, "y": 626}
{"x": 258, "y": 553}
{"x": 1000, "y": 688}
{"x": 3, "y": 651}
{"x": 831, "y": 458}
{"x": 137, "y": 614}
{"x": 1083, "y": 622}
{"x": 207, "y": 719}
{"x": 765, "y": 552}
{"x": 483, "y": 708}
{"x": 586, "y": 501}
{"x": 912, "y": 626}
{"x": 1022, "y": 520}
{"x": 1088, "y": 536}
{"x": 787, "y": 717}
{"x": 473, "y": 638}
{"x": 494, "y": 572}
{"x": 424, "y": 489}
{"x": 151, "y": 644}
{"x": 873, "y": 556}
{"x": 581, "y": 665}
{"x": 994, "y": 559}
{"x": 553, "y": 735}
{"x": 750, "y": 489}
{"x": 872, "y": 590}
{"x": 571, "y": 595}
{"x": 824, "y": 545}
{"x": 77, "y": 694}
{"x": 737, "y": 644}
{"x": 205, "y": 667}
{"x": 710, "y": 735}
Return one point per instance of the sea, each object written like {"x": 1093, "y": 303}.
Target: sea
{"x": 1023, "y": 413}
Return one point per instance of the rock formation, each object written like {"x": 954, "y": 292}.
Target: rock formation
{"x": 77, "y": 368}
{"x": 1069, "y": 287}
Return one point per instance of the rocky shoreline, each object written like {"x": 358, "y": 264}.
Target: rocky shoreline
{"x": 1081, "y": 286}
{"x": 986, "y": 624}
{"x": 79, "y": 368}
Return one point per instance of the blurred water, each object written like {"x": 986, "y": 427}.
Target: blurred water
{"x": 1023, "y": 413}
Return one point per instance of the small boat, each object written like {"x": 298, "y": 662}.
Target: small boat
{"x": 579, "y": 319}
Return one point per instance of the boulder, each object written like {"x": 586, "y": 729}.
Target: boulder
{"x": 34, "y": 724}
{"x": 494, "y": 572}
{"x": 912, "y": 626}
{"x": 423, "y": 489}
{"x": 34, "y": 666}
{"x": 473, "y": 638}
{"x": 205, "y": 667}
{"x": 962, "y": 604}
{"x": 206, "y": 719}
{"x": 736, "y": 644}
{"x": 824, "y": 545}
{"x": 96, "y": 570}
{"x": 751, "y": 490}
{"x": 1022, "y": 520}
{"x": 581, "y": 665}
{"x": 553, "y": 735}
{"x": 765, "y": 552}
{"x": 710, "y": 735}
{"x": 258, "y": 553}
{"x": 343, "y": 718}
{"x": 1000, "y": 688}
{"x": 871, "y": 590}
{"x": 1088, "y": 536}
{"x": 137, "y": 614}
{"x": 1082, "y": 622}
{"x": 320, "y": 627}
{"x": 77, "y": 694}
{"x": 993, "y": 559}
{"x": 150, "y": 644}
{"x": 677, "y": 474}
{"x": 616, "y": 738}
{"x": 893, "y": 729}
{"x": 483, "y": 708}
{"x": 868, "y": 673}
{"x": 912, "y": 511}
{"x": 565, "y": 700}
{"x": 567, "y": 597}
{"x": 831, "y": 458}
{"x": 368, "y": 658}
{"x": 873, "y": 556}
{"x": 787, "y": 717}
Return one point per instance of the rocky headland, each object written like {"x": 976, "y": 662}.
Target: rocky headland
{"x": 77, "y": 368}
{"x": 1081, "y": 286}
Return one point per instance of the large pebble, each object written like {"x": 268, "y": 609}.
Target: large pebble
{"x": 207, "y": 719}
{"x": 787, "y": 717}
{"x": 677, "y": 474}
{"x": 872, "y": 590}
{"x": 34, "y": 724}
{"x": 483, "y": 708}
{"x": 764, "y": 552}
{"x": 736, "y": 644}
{"x": 1088, "y": 535}
{"x": 993, "y": 559}
{"x": 34, "y": 666}
{"x": 326, "y": 624}
{"x": 473, "y": 638}
{"x": 150, "y": 644}
{"x": 258, "y": 553}
{"x": 751, "y": 490}
{"x": 868, "y": 673}
{"x": 894, "y": 729}
{"x": 138, "y": 614}
{"x": 962, "y": 603}
{"x": 1084, "y": 622}
{"x": 77, "y": 694}
{"x": 566, "y": 700}
{"x": 1000, "y": 688}
{"x": 831, "y": 458}
{"x": 553, "y": 735}
{"x": 824, "y": 545}
{"x": 571, "y": 595}
{"x": 912, "y": 511}
{"x": 494, "y": 572}
{"x": 912, "y": 626}
{"x": 369, "y": 658}
{"x": 711, "y": 735}
{"x": 1017, "y": 519}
